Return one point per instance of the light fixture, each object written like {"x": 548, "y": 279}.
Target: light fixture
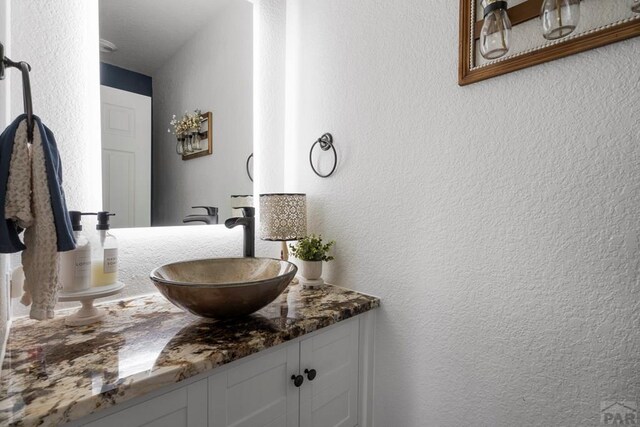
{"x": 283, "y": 217}
{"x": 559, "y": 18}
{"x": 496, "y": 29}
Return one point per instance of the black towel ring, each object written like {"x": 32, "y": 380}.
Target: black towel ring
{"x": 26, "y": 98}
{"x": 326, "y": 143}
{"x": 26, "y": 87}
{"x": 247, "y": 166}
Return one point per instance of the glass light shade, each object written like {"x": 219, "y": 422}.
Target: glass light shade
{"x": 559, "y": 18}
{"x": 495, "y": 34}
{"x": 283, "y": 216}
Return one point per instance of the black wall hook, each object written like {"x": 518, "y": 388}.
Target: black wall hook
{"x": 326, "y": 143}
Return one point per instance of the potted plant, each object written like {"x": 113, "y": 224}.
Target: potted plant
{"x": 311, "y": 251}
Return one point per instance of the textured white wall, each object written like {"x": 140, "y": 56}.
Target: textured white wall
{"x": 498, "y": 222}
{"x": 213, "y": 72}
{"x": 5, "y": 39}
{"x": 59, "y": 38}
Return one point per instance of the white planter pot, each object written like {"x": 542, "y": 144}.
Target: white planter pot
{"x": 311, "y": 270}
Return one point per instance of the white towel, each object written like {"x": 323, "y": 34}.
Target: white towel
{"x": 28, "y": 202}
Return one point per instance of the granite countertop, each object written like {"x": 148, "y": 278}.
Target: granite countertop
{"x": 54, "y": 374}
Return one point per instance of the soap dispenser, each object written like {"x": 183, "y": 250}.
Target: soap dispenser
{"x": 75, "y": 265}
{"x": 104, "y": 259}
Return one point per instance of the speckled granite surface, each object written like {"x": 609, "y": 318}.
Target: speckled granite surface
{"x": 54, "y": 374}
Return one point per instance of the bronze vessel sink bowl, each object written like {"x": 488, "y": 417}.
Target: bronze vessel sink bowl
{"x": 221, "y": 288}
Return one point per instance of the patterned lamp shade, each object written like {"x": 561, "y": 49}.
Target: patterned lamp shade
{"x": 283, "y": 216}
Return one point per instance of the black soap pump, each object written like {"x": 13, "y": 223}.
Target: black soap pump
{"x": 75, "y": 265}
{"x": 104, "y": 259}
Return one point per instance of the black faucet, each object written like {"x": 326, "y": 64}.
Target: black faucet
{"x": 210, "y": 218}
{"x": 248, "y": 222}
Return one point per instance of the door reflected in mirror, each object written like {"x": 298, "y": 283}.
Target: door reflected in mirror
{"x": 165, "y": 58}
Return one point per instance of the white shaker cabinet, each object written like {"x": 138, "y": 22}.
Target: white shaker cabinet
{"x": 256, "y": 393}
{"x": 263, "y": 392}
{"x": 331, "y": 398}
{"x": 184, "y": 407}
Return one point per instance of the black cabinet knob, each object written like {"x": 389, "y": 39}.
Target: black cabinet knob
{"x": 297, "y": 380}
{"x": 311, "y": 374}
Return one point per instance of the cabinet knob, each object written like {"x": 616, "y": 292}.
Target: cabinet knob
{"x": 297, "y": 380}
{"x": 311, "y": 374}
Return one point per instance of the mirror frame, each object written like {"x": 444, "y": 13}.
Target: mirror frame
{"x": 468, "y": 74}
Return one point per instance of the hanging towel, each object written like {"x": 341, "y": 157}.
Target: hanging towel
{"x": 34, "y": 200}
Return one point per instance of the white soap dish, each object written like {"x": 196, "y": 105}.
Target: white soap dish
{"x": 89, "y": 314}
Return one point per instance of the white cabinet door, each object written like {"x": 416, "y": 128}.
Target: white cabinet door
{"x": 331, "y": 398}
{"x": 184, "y": 407}
{"x": 258, "y": 393}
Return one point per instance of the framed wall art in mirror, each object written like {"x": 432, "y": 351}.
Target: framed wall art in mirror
{"x": 498, "y": 36}
{"x": 201, "y": 143}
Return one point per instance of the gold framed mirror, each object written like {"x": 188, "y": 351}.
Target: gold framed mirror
{"x": 600, "y": 22}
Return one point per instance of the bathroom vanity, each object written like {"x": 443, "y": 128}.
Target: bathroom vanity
{"x": 304, "y": 360}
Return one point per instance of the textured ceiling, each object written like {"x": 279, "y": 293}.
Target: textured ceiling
{"x": 148, "y": 32}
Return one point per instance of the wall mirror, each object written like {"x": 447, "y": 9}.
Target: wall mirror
{"x": 160, "y": 58}
{"x": 497, "y": 37}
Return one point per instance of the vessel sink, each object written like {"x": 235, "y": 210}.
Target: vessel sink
{"x": 221, "y": 288}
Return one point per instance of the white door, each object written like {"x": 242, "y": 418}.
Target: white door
{"x": 258, "y": 393}
{"x": 331, "y": 398}
{"x": 126, "y": 157}
{"x": 184, "y": 407}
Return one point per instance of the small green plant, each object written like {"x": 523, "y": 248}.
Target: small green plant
{"x": 311, "y": 248}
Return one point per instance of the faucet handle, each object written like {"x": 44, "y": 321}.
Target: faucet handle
{"x": 248, "y": 212}
{"x": 211, "y": 210}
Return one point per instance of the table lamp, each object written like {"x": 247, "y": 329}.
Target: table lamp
{"x": 283, "y": 217}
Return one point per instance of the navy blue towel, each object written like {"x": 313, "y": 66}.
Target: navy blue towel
{"x": 9, "y": 230}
